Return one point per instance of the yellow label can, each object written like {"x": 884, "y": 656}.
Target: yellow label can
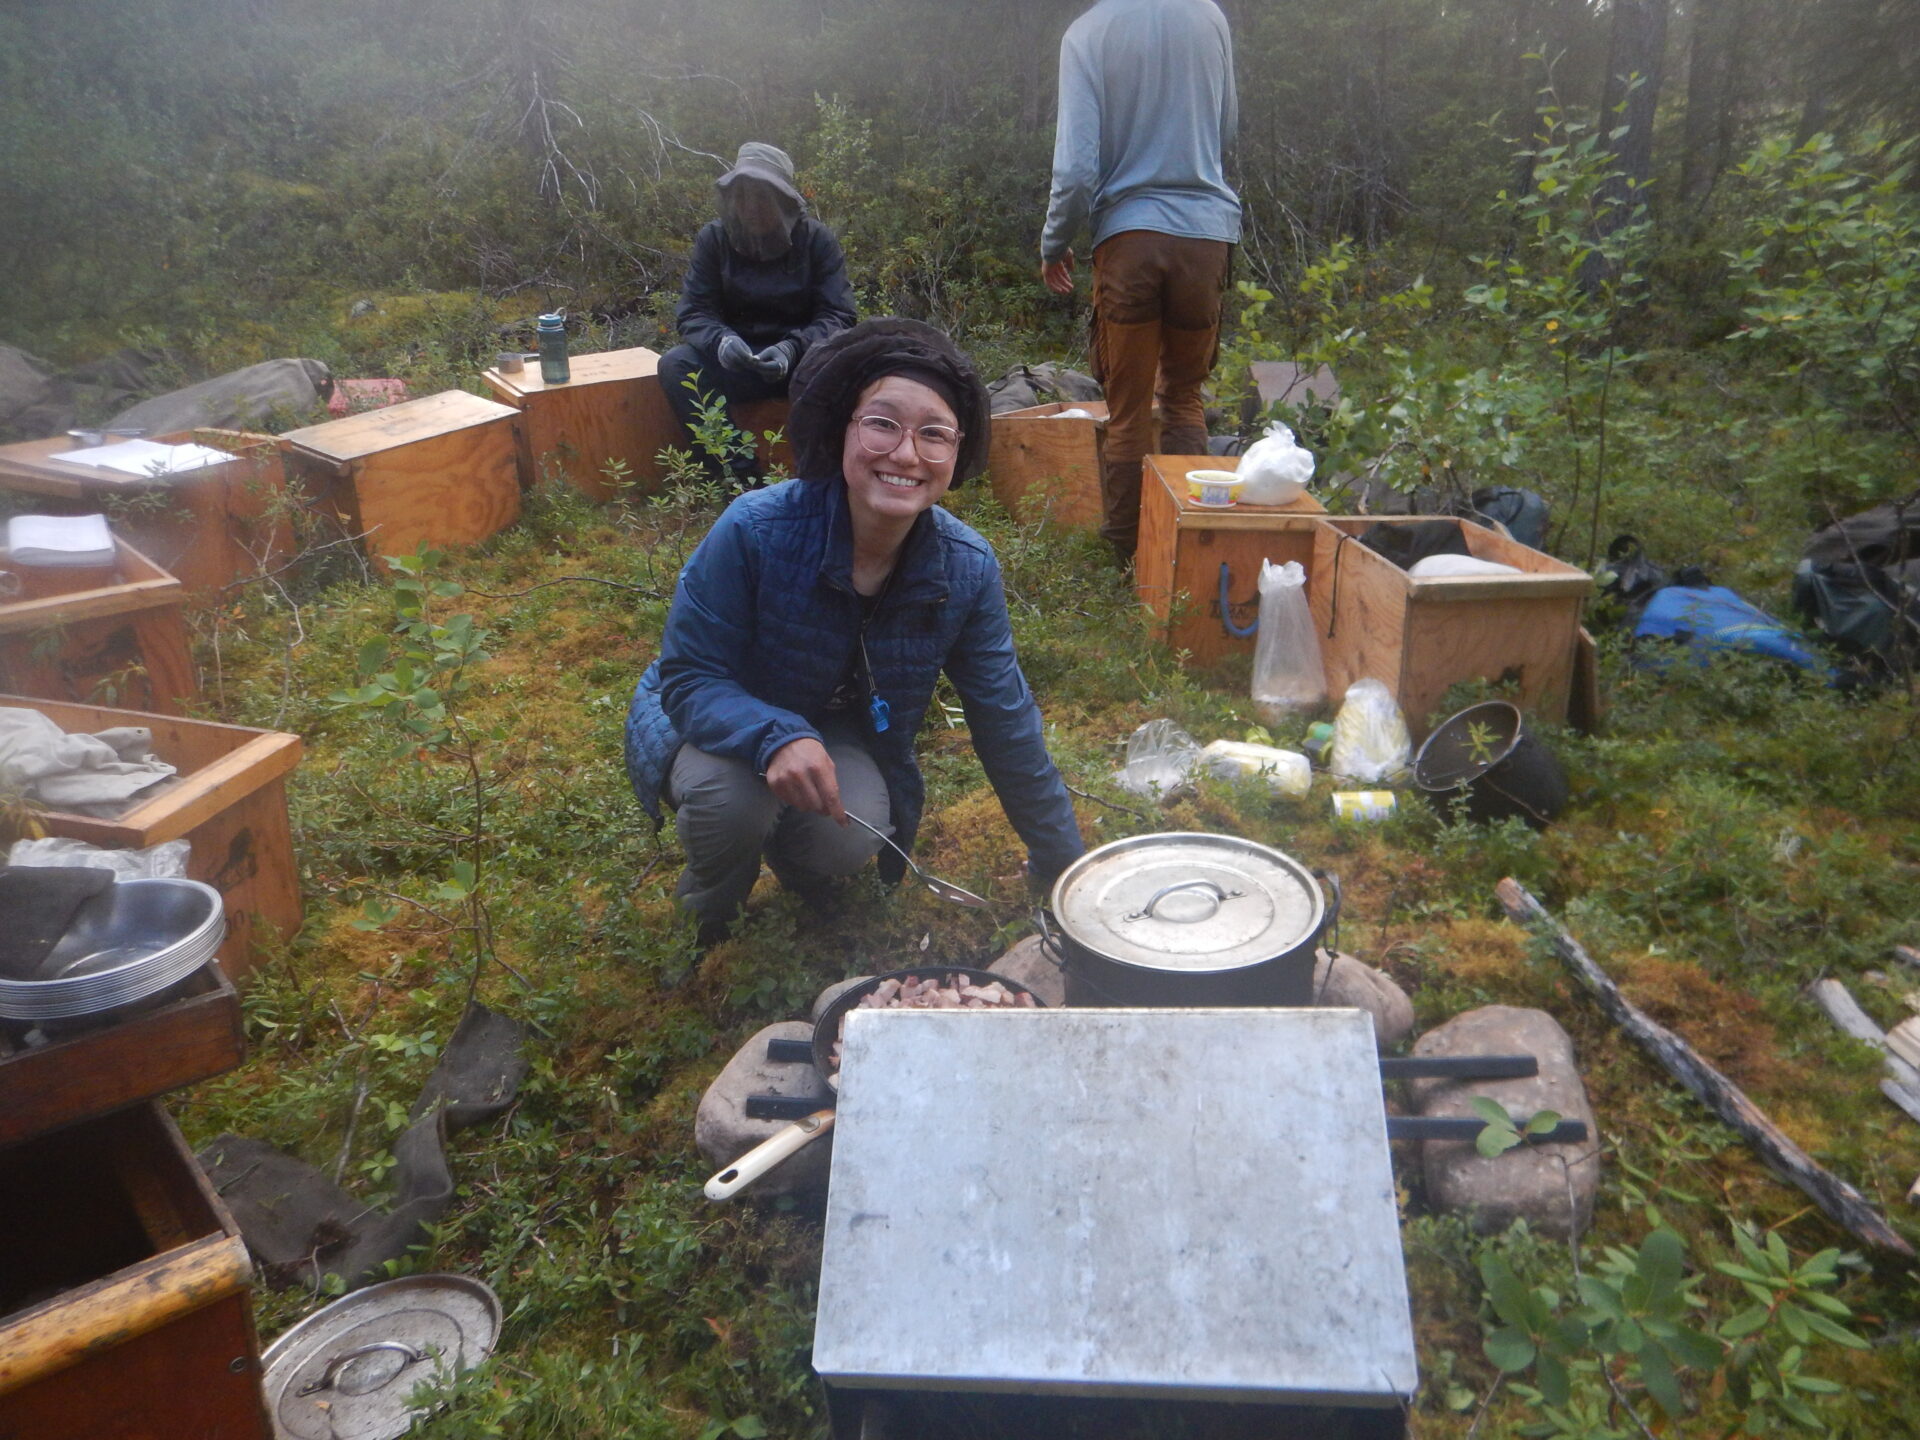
{"x": 1363, "y": 804}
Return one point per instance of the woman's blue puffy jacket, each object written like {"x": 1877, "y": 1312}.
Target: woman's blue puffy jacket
{"x": 765, "y": 623}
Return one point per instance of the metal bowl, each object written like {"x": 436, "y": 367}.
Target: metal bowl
{"x": 128, "y": 943}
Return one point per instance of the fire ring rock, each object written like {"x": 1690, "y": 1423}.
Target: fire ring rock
{"x": 1339, "y": 979}
{"x": 723, "y": 1132}
{"x": 1551, "y": 1187}
{"x": 1027, "y": 964}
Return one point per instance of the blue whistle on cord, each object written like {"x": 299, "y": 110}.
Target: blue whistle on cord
{"x": 877, "y": 708}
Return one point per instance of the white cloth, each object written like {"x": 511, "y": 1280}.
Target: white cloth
{"x": 43, "y": 763}
{"x": 1435, "y": 567}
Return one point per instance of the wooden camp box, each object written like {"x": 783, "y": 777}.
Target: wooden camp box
{"x": 1423, "y": 635}
{"x": 230, "y": 804}
{"x": 1043, "y": 465}
{"x": 205, "y": 527}
{"x": 125, "y": 640}
{"x": 94, "y": 1068}
{"x": 612, "y": 409}
{"x": 124, "y": 1301}
{"x": 1177, "y": 567}
{"x": 440, "y": 471}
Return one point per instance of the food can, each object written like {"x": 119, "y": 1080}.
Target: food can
{"x": 1363, "y": 804}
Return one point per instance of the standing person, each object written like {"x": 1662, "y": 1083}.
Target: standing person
{"x": 809, "y": 628}
{"x": 1147, "y": 102}
{"x": 766, "y": 282}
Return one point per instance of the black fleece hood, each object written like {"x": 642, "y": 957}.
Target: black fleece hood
{"x": 833, "y": 375}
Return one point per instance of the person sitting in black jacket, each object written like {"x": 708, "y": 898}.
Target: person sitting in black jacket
{"x": 766, "y": 283}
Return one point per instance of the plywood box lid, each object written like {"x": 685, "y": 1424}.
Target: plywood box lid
{"x": 603, "y": 367}
{"x": 1172, "y": 470}
{"x": 358, "y": 436}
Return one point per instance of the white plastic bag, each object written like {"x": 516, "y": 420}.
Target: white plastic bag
{"x": 1287, "y": 673}
{"x": 1160, "y": 756}
{"x": 1275, "y": 469}
{"x": 165, "y": 861}
{"x": 1286, "y": 771}
{"x": 1370, "y": 740}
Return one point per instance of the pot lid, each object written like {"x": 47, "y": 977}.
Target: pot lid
{"x": 346, "y": 1372}
{"x": 1188, "y": 902}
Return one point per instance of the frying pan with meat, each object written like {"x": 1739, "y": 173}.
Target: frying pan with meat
{"x": 777, "y": 1147}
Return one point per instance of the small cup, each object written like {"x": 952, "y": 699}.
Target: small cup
{"x": 509, "y": 362}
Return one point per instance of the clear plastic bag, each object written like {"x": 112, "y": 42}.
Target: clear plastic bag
{"x": 1160, "y": 757}
{"x": 1370, "y": 740}
{"x": 1287, "y": 674}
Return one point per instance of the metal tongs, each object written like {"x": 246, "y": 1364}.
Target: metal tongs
{"x": 945, "y": 889}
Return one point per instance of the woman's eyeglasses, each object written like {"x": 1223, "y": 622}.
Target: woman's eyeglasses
{"x": 880, "y": 435}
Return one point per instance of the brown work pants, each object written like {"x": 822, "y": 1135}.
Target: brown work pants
{"x": 1156, "y": 333}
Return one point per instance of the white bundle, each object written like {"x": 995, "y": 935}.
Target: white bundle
{"x": 1435, "y": 567}
{"x": 1285, "y": 771}
{"x": 1275, "y": 469}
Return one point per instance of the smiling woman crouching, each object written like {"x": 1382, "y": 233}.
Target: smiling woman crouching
{"x": 808, "y": 630}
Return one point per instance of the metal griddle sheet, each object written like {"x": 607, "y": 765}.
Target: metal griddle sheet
{"x": 1159, "y": 1203}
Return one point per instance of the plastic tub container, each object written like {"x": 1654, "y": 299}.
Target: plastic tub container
{"x": 1216, "y": 489}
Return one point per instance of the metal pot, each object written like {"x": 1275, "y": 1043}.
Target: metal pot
{"x": 1488, "y": 757}
{"x": 1189, "y": 919}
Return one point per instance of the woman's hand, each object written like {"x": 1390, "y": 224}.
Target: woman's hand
{"x": 801, "y": 774}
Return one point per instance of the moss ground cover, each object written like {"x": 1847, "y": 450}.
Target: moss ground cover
{"x": 1734, "y": 835}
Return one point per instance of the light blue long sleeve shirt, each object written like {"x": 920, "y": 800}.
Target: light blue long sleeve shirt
{"x": 1147, "y": 104}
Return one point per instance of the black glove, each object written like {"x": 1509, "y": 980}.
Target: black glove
{"x": 776, "y": 360}
{"x": 735, "y": 354}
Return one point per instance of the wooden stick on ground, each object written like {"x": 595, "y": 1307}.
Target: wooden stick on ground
{"x": 1902, "y": 1082}
{"x": 1843, "y": 1204}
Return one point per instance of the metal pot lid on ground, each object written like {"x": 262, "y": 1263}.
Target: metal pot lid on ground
{"x": 1188, "y": 902}
{"x": 347, "y": 1372}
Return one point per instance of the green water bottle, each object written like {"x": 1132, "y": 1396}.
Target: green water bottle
{"x": 554, "y": 369}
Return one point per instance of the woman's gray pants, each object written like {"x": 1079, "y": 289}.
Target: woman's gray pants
{"x": 728, "y": 819}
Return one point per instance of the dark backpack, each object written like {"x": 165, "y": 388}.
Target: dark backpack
{"x": 1859, "y": 584}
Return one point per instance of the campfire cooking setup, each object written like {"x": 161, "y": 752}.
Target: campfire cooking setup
{"x": 1168, "y": 1199}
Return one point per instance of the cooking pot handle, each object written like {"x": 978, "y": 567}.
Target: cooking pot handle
{"x": 1220, "y": 897}
{"x": 408, "y": 1356}
{"x": 1050, "y": 945}
{"x": 1332, "y": 927}
{"x": 767, "y": 1154}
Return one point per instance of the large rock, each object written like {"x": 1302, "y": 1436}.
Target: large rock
{"x": 24, "y": 382}
{"x": 1339, "y": 979}
{"x": 723, "y": 1132}
{"x": 33, "y": 402}
{"x": 240, "y": 399}
{"x": 1032, "y": 967}
{"x": 1551, "y": 1187}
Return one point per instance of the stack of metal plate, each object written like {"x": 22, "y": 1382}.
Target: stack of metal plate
{"x": 127, "y": 944}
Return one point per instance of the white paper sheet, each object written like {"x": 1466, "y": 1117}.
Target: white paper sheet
{"x": 50, "y": 538}
{"x": 146, "y": 457}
